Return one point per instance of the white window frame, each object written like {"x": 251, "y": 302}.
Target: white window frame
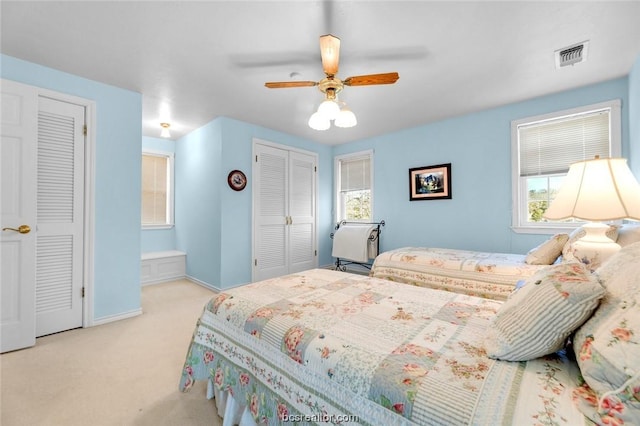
{"x": 519, "y": 222}
{"x": 337, "y": 182}
{"x": 170, "y": 189}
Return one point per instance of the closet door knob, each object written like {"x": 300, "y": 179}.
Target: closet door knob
{"x": 23, "y": 229}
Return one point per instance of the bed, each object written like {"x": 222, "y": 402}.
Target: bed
{"x": 329, "y": 346}
{"x": 486, "y": 274}
{"x": 482, "y": 274}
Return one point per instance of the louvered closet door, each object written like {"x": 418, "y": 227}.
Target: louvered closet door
{"x": 284, "y": 196}
{"x": 60, "y": 204}
{"x": 271, "y": 188}
{"x": 302, "y": 208}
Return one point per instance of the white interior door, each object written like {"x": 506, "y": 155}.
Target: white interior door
{"x": 270, "y": 194}
{"x": 18, "y": 208}
{"x": 302, "y": 212}
{"x": 284, "y": 200}
{"x": 60, "y": 216}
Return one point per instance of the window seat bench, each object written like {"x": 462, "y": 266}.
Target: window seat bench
{"x": 161, "y": 266}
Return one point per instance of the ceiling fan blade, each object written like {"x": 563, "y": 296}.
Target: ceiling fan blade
{"x": 283, "y": 84}
{"x": 367, "y": 80}
{"x": 330, "y": 52}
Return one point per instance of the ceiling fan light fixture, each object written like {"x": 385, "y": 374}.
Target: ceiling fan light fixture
{"x": 318, "y": 122}
{"x": 346, "y": 118}
{"x": 329, "y": 109}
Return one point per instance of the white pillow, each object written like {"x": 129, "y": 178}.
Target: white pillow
{"x": 547, "y": 252}
{"x": 628, "y": 234}
{"x": 537, "y": 319}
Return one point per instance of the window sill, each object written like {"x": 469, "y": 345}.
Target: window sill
{"x": 545, "y": 229}
{"x": 152, "y": 227}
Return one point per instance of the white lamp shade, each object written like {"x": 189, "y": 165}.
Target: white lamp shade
{"x": 346, "y": 118}
{"x": 597, "y": 190}
{"x": 318, "y": 122}
{"x": 329, "y": 109}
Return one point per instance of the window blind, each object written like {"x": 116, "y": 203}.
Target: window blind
{"x": 154, "y": 189}
{"x": 355, "y": 174}
{"x": 550, "y": 147}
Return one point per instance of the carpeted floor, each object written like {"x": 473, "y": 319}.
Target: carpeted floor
{"x": 122, "y": 373}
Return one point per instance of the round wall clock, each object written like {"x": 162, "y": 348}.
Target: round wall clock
{"x": 237, "y": 180}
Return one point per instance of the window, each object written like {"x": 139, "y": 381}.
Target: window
{"x": 354, "y": 187}
{"x": 543, "y": 149}
{"x": 157, "y": 189}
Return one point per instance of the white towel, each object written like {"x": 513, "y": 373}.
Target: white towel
{"x": 351, "y": 242}
{"x": 373, "y": 244}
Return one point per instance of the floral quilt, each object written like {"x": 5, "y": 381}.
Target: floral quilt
{"x": 482, "y": 274}
{"x": 327, "y": 346}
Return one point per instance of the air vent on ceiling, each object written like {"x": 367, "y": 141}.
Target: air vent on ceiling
{"x": 572, "y": 55}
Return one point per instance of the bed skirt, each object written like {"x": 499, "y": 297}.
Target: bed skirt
{"x": 231, "y": 411}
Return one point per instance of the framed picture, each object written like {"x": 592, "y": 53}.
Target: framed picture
{"x": 430, "y": 182}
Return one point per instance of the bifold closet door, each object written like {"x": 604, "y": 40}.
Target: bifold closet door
{"x": 284, "y": 212}
{"x": 271, "y": 188}
{"x": 302, "y": 208}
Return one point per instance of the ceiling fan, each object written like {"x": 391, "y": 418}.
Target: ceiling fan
{"x": 330, "y": 53}
{"x": 331, "y": 85}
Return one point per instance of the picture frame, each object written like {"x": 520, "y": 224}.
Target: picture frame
{"x": 430, "y": 182}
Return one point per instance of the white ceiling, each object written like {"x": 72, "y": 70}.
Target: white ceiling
{"x": 211, "y": 59}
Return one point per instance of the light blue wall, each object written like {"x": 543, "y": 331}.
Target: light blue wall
{"x": 634, "y": 118}
{"x": 198, "y": 207}
{"x": 117, "y": 181}
{"x": 158, "y": 239}
{"x": 478, "y": 146}
{"x": 213, "y": 222}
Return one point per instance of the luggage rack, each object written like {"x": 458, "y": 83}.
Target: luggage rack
{"x": 341, "y": 264}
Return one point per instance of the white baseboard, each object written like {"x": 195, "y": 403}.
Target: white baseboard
{"x": 212, "y": 287}
{"x": 116, "y": 317}
{"x": 202, "y": 283}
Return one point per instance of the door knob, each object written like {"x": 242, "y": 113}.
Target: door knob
{"x": 23, "y": 229}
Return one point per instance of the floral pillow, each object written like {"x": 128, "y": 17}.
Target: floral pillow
{"x": 537, "y": 318}
{"x": 592, "y": 260}
{"x": 607, "y": 346}
{"x": 547, "y": 252}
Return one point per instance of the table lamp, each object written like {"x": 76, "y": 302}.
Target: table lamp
{"x": 597, "y": 190}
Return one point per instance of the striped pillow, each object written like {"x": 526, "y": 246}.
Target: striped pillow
{"x": 537, "y": 318}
